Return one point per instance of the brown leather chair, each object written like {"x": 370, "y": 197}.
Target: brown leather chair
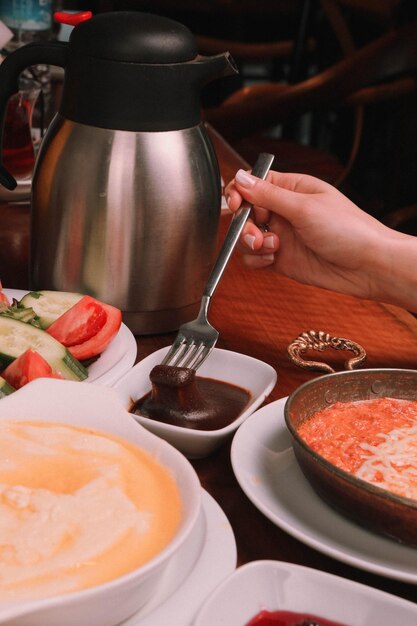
{"x": 385, "y": 69}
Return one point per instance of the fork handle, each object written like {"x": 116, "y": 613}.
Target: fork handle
{"x": 260, "y": 170}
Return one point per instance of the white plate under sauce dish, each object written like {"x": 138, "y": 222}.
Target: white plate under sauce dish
{"x": 114, "y": 362}
{"x": 278, "y": 586}
{"x": 266, "y": 469}
{"x": 257, "y": 377}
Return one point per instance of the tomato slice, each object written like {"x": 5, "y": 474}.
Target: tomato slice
{"x": 99, "y": 342}
{"x": 81, "y": 322}
{"x": 3, "y": 297}
{"x": 28, "y": 366}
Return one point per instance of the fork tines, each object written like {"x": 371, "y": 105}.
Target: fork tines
{"x": 185, "y": 353}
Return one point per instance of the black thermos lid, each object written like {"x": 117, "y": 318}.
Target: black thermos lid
{"x": 130, "y": 70}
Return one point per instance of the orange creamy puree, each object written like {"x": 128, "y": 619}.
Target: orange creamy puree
{"x": 77, "y": 508}
{"x": 375, "y": 440}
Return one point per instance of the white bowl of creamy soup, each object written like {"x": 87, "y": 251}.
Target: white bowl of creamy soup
{"x": 92, "y": 507}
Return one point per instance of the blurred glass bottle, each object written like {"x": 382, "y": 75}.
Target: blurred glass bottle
{"x": 31, "y": 20}
{"x": 18, "y": 151}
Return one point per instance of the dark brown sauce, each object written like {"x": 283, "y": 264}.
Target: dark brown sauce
{"x": 181, "y": 398}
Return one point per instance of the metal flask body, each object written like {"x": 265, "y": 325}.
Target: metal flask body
{"x": 126, "y": 185}
{"x": 128, "y": 217}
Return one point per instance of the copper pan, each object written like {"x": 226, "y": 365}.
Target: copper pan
{"x": 372, "y": 507}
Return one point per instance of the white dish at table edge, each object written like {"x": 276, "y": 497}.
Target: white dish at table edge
{"x": 114, "y": 362}
{"x": 193, "y": 573}
{"x": 232, "y": 367}
{"x": 278, "y": 586}
{"x": 265, "y": 467}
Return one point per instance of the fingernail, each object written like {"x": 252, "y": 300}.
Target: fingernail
{"x": 249, "y": 240}
{"x": 245, "y": 179}
{"x": 227, "y": 199}
{"x": 269, "y": 242}
{"x": 268, "y": 257}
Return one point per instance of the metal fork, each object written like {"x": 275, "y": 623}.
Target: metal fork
{"x": 196, "y": 339}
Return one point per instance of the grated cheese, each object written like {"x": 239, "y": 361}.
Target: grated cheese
{"x": 392, "y": 464}
{"x": 375, "y": 440}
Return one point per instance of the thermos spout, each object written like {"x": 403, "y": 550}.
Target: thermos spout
{"x": 208, "y": 68}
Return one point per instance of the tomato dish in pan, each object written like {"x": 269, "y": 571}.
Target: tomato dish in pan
{"x": 375, "y": 440}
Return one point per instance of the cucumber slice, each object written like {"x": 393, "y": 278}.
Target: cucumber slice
{"x": 18, "y": 312}
{"x": 49, "y": 305}
{"x": 16, "y": 337}
{"x": 5, "y": 388}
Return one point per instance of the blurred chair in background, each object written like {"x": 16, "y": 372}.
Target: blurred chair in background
{"x": 382, "y": 71}
{"x": 327, "y": 85}
{"x": 260, "y": 34}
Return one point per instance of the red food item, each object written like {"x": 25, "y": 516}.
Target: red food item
{"x": 27, "y": 367}
{"x": 81, "y": 322}
{"x": 374, "y": 440}
{"x": 3, "y": 297}
{"x": 99, "y": 342}
{"x": 288, "y": 618}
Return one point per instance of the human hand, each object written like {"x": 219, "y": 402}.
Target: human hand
{"x": 315, "y": 235}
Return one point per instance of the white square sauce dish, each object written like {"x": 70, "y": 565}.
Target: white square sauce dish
{"x": 253, "y": 375}
{"x": 299, "y": 595}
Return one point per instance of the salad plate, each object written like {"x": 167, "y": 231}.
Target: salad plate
{"x": 266, "y": 468}
{"x": 115, "y": 361}
{"x": 276, "y": 586}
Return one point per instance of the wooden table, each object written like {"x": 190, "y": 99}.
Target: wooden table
{"x": 258, "y": 313}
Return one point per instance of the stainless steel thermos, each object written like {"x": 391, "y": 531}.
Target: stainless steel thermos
{"x": 126, "y": 187}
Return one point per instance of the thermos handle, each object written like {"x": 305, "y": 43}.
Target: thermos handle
{"x": 49, "y": 53}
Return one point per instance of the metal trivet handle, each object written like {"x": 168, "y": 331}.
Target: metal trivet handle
{"x": 320, "y": 340}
